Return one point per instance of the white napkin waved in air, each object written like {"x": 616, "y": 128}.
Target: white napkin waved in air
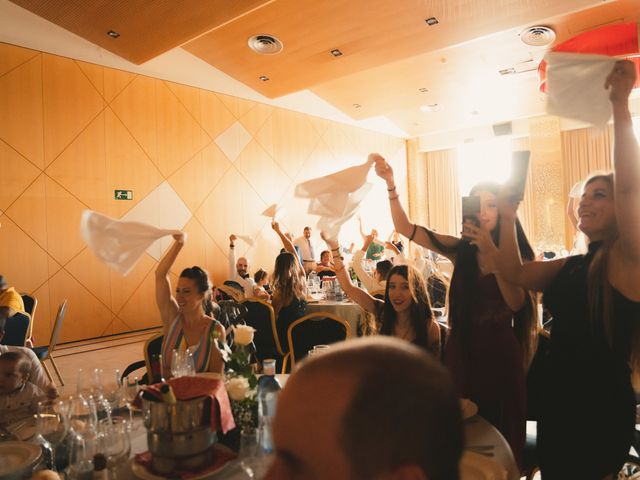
{"x": 575, "y": 86}
{"x": 336, "y": 197}
{"x": 117, "y": 243}
{"x": 271, "y": 211}
{"x": 248, "y": 240}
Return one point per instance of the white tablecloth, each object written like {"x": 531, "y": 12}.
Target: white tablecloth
{"x": 351, "y": 312}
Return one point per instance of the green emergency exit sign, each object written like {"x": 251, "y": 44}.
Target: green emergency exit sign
{"x": 123, "y": 194}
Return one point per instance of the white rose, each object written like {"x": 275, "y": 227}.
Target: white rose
{"x": 238, "y": 388}
{"x": 243, "y": 334}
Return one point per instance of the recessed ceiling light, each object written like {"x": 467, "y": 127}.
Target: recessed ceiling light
{"x": 431, "y": 21}
{"x": 433, "y": 107}
{"x": 263, "y": 78}
{"x": 357, "y": 105}
{"x": 113, "y": 34}
{"x": 538, "y": 36}
{"x": 336, "y": 53}
{"x": 423, "y": 89}
{"x": 265, "y": 44}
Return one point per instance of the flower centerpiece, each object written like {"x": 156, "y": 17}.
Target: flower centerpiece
{"x": 241, "y": 380}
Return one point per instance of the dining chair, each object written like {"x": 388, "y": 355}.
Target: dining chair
{"x": 16, "y": 329}
{"x": 262, "y": 318}
{"x": 379, "y": 294}
{"x": 46, "y": 352}
{"x": 318, "y": 328}
{"x": 30, "y": 305}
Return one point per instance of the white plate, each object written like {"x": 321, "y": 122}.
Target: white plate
{"x": 468, "y": 408}
{"x": 474, "y": 466}
{"x": 143, "y": 472}
{"x": 17, "y": 456}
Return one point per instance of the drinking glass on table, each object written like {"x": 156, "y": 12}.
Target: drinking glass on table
{"x": 52, "y": 423}
{"x": 116, "y": 443}
{"x": 129, "y": 391}
{"x": 182, "y": 363}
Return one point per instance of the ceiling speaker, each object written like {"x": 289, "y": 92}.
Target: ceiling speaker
{"x": 500, "y": 129}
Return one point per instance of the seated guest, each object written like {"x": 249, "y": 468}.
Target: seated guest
{"x": 239, "y": 270}
{"x": 261, "y": 289}
{"x": 289, "y": 288}
{"x": 18, "y": 396}
{"x": 368, "y": 409}
{"x": 378, "y": 280}
{"x": 10, "y": 300}
{"x": 325, "y": 267}
{"x": 405, "y": 311}
{"x": 36, "y": 373}
{"x": 187, "y": 318}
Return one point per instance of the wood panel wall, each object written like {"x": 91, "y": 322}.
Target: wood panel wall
{"x": 72, "y": 132}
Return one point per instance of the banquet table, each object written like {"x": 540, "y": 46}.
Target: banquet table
{"x": 350, "y": 311}
{"x": 478, "y": 433}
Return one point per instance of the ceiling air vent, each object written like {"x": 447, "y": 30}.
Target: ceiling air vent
{"x": 265, "y": 44}
{"x": 538, "y": 36}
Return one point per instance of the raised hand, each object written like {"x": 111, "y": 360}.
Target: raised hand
{"x": 332, "y": 244}
{"x": 621, "y": 81}
{"x": 383, "y": 169}
{"x": 179, "y": 237}
{"x": 276, "y": 226}
{"x": 232, "y": 238}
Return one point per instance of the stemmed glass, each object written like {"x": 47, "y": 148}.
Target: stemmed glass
{"x": 116, "y": 444}
{"x": 52, "y": 422}
{"x": 129, "y": 391}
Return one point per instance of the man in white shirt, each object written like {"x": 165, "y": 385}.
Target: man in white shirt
{"x": 239, "y": 270}
{"x": 36, "y": 375}
{"x": 307, "y": 250}
{"x": 372, "y": 283}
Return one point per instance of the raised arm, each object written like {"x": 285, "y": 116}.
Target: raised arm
{"x": 287, "y": 244}
{"x": 531, "y": 275}
{"x": 401, "y": 221}
{"x": 167, "y": 305}
{"x": 231, "y": 257}
{"x": 367, "y": 280}
{"x": 358, "y": 295}
{"x": 626, "y": 163}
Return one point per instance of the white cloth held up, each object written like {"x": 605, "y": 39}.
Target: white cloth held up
{"x": 336, "y": 197}
{"x": 575, "y": 87}
{"x": 117, "y": 243}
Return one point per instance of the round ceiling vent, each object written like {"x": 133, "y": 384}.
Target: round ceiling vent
{"x": 265, "y": 44}
{"x": 538, "y": 36}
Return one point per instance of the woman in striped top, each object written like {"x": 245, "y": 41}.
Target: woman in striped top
{"x": 187, "y": 318}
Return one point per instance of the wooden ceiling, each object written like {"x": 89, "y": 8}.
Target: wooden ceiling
{"x": 392, "y": 62}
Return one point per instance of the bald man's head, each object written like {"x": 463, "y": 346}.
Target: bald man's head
{"x": 242, "y": 266}
{"x": 368, "y": 407}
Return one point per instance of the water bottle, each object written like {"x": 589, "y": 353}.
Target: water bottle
{"x": 268, "y": 389}
{"x": 338, "y": 291}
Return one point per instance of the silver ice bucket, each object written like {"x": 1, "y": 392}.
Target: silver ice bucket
{"x": 179, "y": 435}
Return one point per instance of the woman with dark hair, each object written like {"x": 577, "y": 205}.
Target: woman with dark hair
{"x": 289, "y": 287}
{"x": 405, "y": 311}
{"x": 187, "y": 320}
{"x": 493, "y": 323}
{"x": 587, "y": 420}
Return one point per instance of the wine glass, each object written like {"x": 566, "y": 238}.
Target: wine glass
{"x": 52, "y": 422}
{"x": 182, "y": 363}
{"x": 116, "y": 444}
{"x": 129, "y": 391}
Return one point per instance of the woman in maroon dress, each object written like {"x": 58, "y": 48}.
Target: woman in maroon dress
{"x": 493, "y": 323}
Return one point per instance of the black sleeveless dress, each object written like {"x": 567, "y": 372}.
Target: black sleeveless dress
{"x": 588, "y": 417}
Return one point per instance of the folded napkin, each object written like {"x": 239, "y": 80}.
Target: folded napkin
{"x": 336, "y": 197}
{"x": 187, "y": 388}
{"x": 575, "y": 86}
{"x": 221, "y": 456}
{"x": 248, "y": 240}
{"x": 117, "y": 243}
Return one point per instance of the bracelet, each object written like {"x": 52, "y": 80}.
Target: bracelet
{"x": 391, "y": 189}
{"x": 231, "y": 246}
{"x": 396, "y": 197}
{"x": 413, "y": 232}
{"x": 336, "y": 249}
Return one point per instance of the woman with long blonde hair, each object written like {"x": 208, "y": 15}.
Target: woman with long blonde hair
{"x": 587, "y": 421}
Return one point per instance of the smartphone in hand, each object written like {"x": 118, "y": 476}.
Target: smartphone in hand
{"x": 470, "y": 210}
{"x": 519, "y": 169}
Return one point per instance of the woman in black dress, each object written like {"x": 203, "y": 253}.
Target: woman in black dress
{"x": 587, "y": 423}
